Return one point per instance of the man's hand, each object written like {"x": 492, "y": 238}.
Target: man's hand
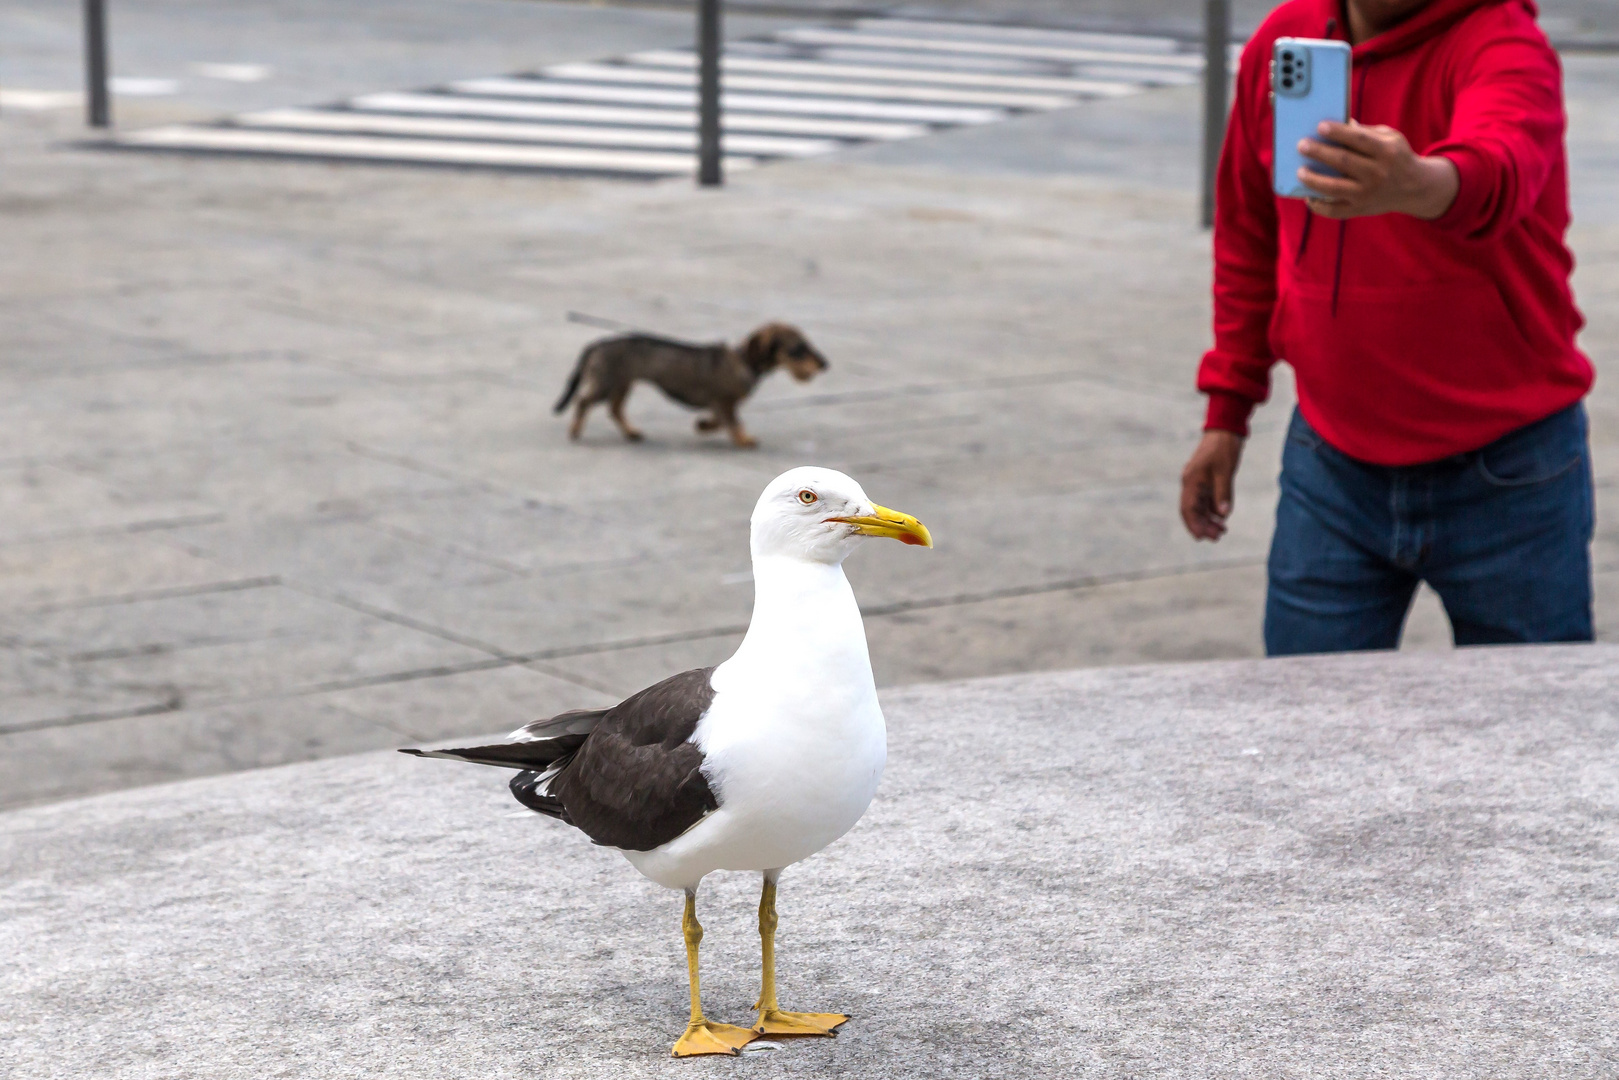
{"x": 1206, "y": 484}
{"x": 1381, "y": 174}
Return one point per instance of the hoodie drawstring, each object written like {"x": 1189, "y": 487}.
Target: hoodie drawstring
{"x": 1343, "y": 225}
{"x": 1304, "y": 236}
{"x": 1338, "y": 266}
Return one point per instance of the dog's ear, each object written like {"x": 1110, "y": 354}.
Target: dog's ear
{"x": 761, "y": 349}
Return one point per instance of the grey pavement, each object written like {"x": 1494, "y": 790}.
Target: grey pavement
{"x": 1343, "y": 868}
{"x": 279, "y": 479}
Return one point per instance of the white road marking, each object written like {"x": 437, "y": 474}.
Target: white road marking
{"x": 242, "y": 73}
{"x": 629, "y": 95}
{"x": 1056, "y": 84}
{"x": 817, "y": 36}
{"x": 1081, "y": 39}
{"x": 791, "y": 93}
{"x": 38, "y": 100}
{"x": 518, "y": 131}
{"x": 136, "y": 86}
{"x": 460, "y": 105}
{"x": 432, "y": 150}
{"x": 630, "y": 73}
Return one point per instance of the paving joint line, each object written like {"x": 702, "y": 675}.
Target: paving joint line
{"x": 156, "y": 709}
{"x": 503, "y": 658}
{"x": 152, "y": 525}
{"x": 119, "y": 599}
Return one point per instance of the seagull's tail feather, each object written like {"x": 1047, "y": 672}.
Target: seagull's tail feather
{"x": 537, "y": 760}
{"x": 539, "y": 754}
{"x": 540, "y": 744}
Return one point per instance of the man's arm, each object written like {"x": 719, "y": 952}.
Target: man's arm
{"x": 1235, "y": 374}
{"x": 1485, "y": 176}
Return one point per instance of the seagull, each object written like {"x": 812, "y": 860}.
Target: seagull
{"x": 753, "y": 765}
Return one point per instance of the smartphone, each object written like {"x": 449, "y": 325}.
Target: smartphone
{"x": 1309, "y": 83}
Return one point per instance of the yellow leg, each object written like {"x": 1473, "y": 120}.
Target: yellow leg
{"x": 702, "y": 1037}
{"x": 772, "y": 1021}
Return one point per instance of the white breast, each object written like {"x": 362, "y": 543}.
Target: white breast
{"x": 794, "y": 742}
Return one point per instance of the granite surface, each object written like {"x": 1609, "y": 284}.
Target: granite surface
{"x": 1368, "y": 866}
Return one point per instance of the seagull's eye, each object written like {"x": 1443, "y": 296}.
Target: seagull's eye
{"x": 808, "y": 497}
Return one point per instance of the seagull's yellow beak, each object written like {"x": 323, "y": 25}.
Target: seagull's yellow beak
{"x": 886, "y": 522}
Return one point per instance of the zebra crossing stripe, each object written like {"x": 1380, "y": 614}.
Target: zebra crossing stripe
{"x": 818, "y": 36}
{"x": 342, "y": 120}
{"x": 301, "y": 144}
{"x": 790, "y": 93}
{"x": 1079, "y": 39}
{"x": 624, "y": 116}
{"x": 630, "y": 95}
{"x": 1071, "y": 88}
{"x": 885, "y": 91}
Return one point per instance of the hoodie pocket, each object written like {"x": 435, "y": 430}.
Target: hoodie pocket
{"x": 1414, "y": 357}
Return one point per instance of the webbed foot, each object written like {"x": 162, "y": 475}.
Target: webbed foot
{"x": 711, "y": 1038}
{"x": 777, "y": 1022}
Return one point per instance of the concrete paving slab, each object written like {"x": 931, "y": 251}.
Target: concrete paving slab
{"x": 499, "y": 699}
{"x": 206, "y": 648}
{"x": 110, "y": 566}
{"x": 1338, "y": 867}
{"x": 163, "y": 741}
{"x": 346, "y": 375}
{"x": 39, "y": 501}
{"x": 43, "y": 691}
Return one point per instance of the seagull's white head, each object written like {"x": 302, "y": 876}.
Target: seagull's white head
{"x": 819, "y": 515}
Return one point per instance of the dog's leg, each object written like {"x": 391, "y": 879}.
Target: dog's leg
{"x": 615, "y": 405}
{"x": 739, "y": 437}
{"x": 707, "y": 425}
{"x": 578, "y": 425}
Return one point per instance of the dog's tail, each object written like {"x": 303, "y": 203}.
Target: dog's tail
{"x": 573, "y": 381}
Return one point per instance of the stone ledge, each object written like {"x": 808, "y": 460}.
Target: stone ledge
{"x": 1375, "y": 865}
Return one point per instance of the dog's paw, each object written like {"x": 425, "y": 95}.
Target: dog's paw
{"x": 707, "y": 425}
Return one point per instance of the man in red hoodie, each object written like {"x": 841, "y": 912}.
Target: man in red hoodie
{"x": 1423, "y": 302}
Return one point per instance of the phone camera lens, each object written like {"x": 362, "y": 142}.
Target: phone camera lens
{"x": 1287, "y": 84}
{"x": 1287, "y": 56}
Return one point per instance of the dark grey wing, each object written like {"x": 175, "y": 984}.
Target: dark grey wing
{"x": 637, "y": 781}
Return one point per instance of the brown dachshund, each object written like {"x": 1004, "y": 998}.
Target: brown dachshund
{"x": 713, "y": 377}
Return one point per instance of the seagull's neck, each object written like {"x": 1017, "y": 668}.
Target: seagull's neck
{"x": 804, "y": 614}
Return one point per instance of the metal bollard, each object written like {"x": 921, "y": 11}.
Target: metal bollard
{"x": 98, "y": 107}
{"x": 708, "y": 93}
{"x": 1216, "y": 44}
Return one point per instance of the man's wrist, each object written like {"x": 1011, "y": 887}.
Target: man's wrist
{"x": 1436, "y": 189}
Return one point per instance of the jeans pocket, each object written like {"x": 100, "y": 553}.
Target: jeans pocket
{"x": 1299, "y": 431}
{"x": 1541, "y": 452}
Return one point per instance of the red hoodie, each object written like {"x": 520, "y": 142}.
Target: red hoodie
{"x": 1411, "y": 340}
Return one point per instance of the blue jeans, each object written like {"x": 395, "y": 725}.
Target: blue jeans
{"x": 1502, "y": 534}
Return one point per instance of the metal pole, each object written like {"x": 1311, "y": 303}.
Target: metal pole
{"x": 1216, "y": 43}
{"x": 97, "y": 107}
{"x": 708, "y": 93}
